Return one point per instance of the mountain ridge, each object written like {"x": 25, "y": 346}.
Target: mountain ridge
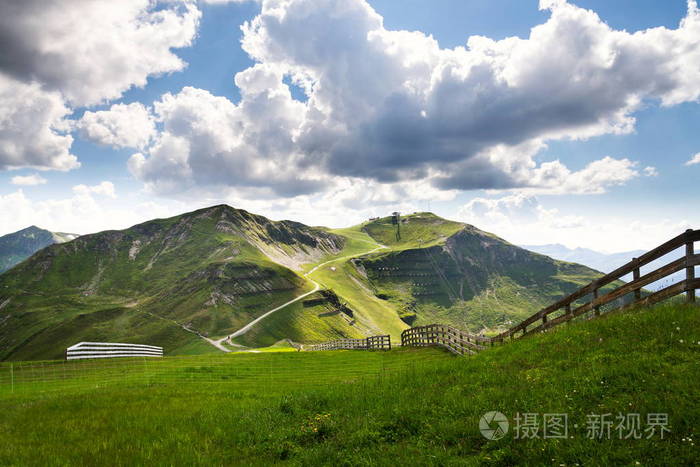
{"x": 462, "y": 275}
{"x": 206, "y": 274}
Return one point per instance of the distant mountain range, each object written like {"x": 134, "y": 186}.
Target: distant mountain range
{"x": 600, "y": 261}
{"x": 207, "y": 274}
{"x": 18, "y": 246}
{"x": 608, "y": 262}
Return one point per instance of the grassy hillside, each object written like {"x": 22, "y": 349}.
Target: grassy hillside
{"x": 174, "y": 282}
{"x": 312, "y": 320}
{"x": 418, "y": 412}
{"x": 439, "y": 271}
{"x": 447, "y": 272}
{"x": 211, "y": 271}
{"x": 374, "y": 314}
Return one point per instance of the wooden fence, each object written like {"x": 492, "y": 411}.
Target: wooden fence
{"x": 455, "y": 340}
{"x": 587, "y": 301}
{"x": 85, "y": 350}
{"x": 369, "y": 343}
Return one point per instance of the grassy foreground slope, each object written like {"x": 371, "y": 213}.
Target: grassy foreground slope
{"x": 428, "y": 413}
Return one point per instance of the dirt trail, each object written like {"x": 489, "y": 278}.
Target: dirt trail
{"x": 219, "y": 343}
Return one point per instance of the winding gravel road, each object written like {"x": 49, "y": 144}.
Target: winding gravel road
{"x": 219, "y": 344}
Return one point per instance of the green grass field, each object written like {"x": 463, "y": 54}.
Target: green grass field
{"x": 408, "y": 406}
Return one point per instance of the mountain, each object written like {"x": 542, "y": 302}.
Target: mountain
{"x": 431, "y": 270}
{"x": 18, "y": 246}
{"x": 181, "y": 281}
{"x": 437, "y": 270}
{"x": 605, "y": 262}
{"x": 608, "y": 262}
{"x": 162, "y": 282}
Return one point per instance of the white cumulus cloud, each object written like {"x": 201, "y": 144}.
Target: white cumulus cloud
{"x": 392, "y": 106}
{"x": 694, "y": 160}
{"x": 59, "y": 55}
{"x": 208, "y": 141}
{"x": 94, "y": 50}
{"x": 123, "y": 125}
{"x": 105, "y": 188}
{"x": 28, "y": 180}
{"x": 33, "y": 128}
{"x": 650, "y": 171}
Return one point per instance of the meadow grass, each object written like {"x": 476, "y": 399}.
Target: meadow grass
{"x": 423, "y": 412}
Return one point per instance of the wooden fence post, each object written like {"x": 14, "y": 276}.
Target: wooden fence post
{"x": 597, "y": 307}
{"x": 689, "y": 270}
{"x": 568, "y": 313}
{"x": 635, "y": 276}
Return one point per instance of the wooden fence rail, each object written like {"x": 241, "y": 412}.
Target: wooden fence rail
{"x": 369, "y": 343}
{"x": 577, "y": 303}
{"x": 85, "y": 350}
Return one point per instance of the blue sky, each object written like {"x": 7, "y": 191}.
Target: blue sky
{"x": 465, "y": 178}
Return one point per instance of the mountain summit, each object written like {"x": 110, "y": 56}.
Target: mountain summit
{"x": 20, "y": 245}
{"x": 449, "y": 272}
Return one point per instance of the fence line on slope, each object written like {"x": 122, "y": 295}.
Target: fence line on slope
{"x": 577, "y": 304}
{"x": 453, "y": 339}
{"x": 368, "y": 343}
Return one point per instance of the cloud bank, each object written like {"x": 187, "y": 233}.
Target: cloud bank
{"x": 393, "y": 106}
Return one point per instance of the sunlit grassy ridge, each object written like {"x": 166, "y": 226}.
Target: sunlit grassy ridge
{"x": 417, "y": 230}
{"x": 439, "y": 271}
{"x": 426, "y": 413}
{"x": 373, "y": 314}
{"x": 454, "y": 273}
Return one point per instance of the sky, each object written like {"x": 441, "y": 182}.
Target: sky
{"x": 543, "y": 122}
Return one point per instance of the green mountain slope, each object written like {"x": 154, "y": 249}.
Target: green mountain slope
{"x": 210, "y": 271}
{"x": 436, "y": 270}
{"x": 20, "y": 245}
